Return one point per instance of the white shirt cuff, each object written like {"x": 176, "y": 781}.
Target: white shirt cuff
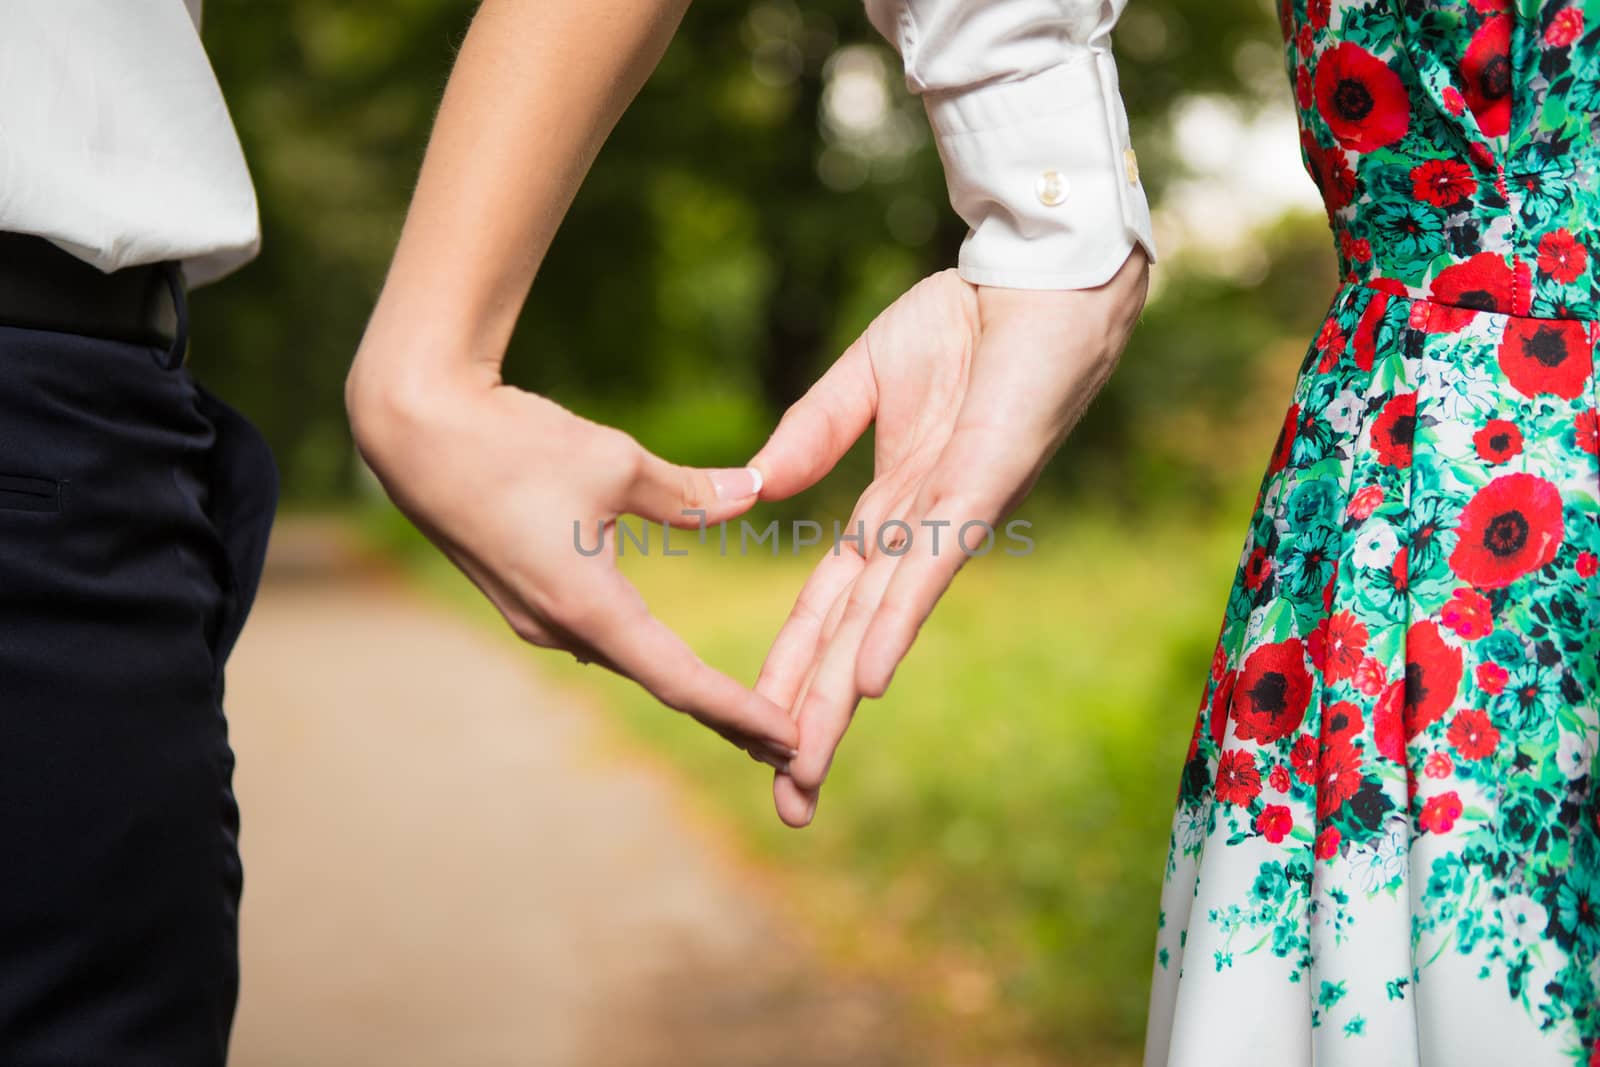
{"x": 1042, "y": 170}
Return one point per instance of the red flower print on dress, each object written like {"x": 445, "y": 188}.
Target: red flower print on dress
{"x": 1365, "y": 344}
{"x": 1330, "y": 336}
{"x": 1561, "y": 256}
{"x": 1394, "y": 428}
{"x": 1274, "y": 687}
{"x": 1468, "y": 614}
{"x": 1440, "y": 813}
{"x": 1274, "y": 823}
{"x": 1282, "y": 448}
{"x": 1338, "y": 776}
{"x": 1546, "y": 356}
{"x": 1565, "y": 28}
{"x": 1586, "y": 428}
{"x": 1483, "y": 282}
{"x": 1400, "y": 571}
{"x": 1480, "y": 154}
{"x": 1388, "y": 723}
{"x": 1365, "y": 502}
{"x": 1342, "y": 721}
{"x": 1347, "y": 643}
{"x": 1498, "y": 440}
{"x": 1486, "y": 76}
{"x": 1330, "y": 340}
{"x": 1331, "y": 171}
{"x": 1510, "y": 527}
{"x": 1257, "y": 568}
{"x": 1472, "y": 735}
{"x": 1359, "y": 250}
{"x": 1460, "y": 256}
{"x": 1238, "y": 781}
{"x": 1361, "y": 98}
{"x": 1370, "y": 677}
{"x": 1442, "y": 182}
{"x": 1317, "y": 646}
{"x": 1303, "y": 758}
{"x": 1221, "y": 698}
{"x": 1433, "y": 676}
{"x": 1492, "y": 678}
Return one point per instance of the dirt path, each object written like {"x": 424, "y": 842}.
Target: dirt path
{"x": 443, "y": 868}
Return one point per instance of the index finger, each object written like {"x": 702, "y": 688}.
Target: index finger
{"x": 969, "y": 486}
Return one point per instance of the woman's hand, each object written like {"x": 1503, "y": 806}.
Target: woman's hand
{"x": 497, "y": 478}
{"x": 972, "y": 390}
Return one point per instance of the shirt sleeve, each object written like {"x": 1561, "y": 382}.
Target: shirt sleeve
{"x": 1029, "y": 121}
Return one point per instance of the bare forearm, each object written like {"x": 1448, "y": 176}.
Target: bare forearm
{"x": 495, "y": 476}
{"x": 537, "y": 87}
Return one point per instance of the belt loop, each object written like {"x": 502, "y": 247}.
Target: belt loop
{"x": 180, "y": 306}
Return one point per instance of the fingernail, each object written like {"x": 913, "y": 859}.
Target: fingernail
{"x": 782, "y": 750}
{"x": 772, "y": 759}
{"x": 736, "y": 483}
{"x": 811, "y": 809}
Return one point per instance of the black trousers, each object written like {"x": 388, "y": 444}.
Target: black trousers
{"x": 134, "y": 513}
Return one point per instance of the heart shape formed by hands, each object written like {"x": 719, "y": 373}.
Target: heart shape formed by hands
{"x": 971, "y": 391}
{"x": 524, "y": 497}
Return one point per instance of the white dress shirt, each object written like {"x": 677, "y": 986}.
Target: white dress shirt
{"x": 115, "y": 142}
{"x": 1022, "y": 96}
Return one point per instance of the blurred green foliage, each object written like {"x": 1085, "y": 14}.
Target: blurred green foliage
{"x": 729, "y": 241}
{"x": 993, "y": 833}
{"x": 1007, "y": 803}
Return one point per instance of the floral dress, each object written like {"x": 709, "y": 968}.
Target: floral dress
{"x": 1386, "y": 848}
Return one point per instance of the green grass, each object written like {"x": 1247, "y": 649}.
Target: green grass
{"x": 994, "y": 829}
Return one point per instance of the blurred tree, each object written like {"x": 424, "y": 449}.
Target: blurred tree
{"x": 772, "y": 188}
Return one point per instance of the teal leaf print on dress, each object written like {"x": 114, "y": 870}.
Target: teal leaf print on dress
{"x": 1388, "y": 818}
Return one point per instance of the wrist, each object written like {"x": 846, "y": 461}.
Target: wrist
{"x": 394, "y": 392}
{"x": 1122, "y": 294}
{"x": 1088, "y": 326}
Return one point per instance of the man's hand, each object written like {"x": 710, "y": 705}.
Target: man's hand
{"x": 972, "y": 390}
{"x": 497, "y": 477}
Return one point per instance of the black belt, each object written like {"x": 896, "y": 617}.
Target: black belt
{"x": 43, "y": 287}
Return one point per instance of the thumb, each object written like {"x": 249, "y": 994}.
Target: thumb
{"x": 689, "y": 496}
{"x": 819, "y": 428}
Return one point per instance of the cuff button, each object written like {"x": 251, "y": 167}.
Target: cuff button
{"x": 1051, "y": 187}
